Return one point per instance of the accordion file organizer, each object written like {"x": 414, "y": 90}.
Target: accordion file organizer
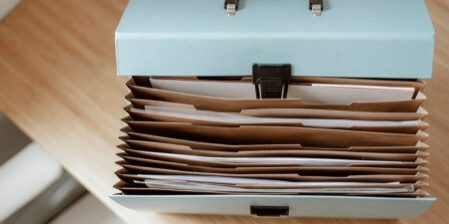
{"x": 275, "y": 108}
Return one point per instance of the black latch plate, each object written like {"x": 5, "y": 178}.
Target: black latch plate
{"x": 271, "y": 81}
{"x": 269, "y": 211}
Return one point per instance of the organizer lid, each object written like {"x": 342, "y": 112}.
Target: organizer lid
{"x": 351, "y": 38}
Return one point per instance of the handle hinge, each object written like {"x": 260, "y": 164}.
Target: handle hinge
{"x": 316, "y": 6}
{"x": 231, "y": 7}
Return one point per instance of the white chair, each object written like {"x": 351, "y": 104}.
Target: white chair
{"x": 34, "y": 187}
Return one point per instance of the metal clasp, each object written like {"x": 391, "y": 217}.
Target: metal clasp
{"x": 231, "y": 7}
{"x": 316, "y": 6}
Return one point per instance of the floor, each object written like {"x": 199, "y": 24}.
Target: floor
{"x": 87, "y": 210}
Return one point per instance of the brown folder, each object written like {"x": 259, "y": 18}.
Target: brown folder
{"x": 135, "y": 160}
{"x": 297, "y": 112}
{"x": 211, "y": 163}
{"x": 181, "y": 149}
{"x": 290, "y": 177}
{"x": 259, "y": 147}
{"x": 141, "y": 115}
{"x": 315, "y": 137}
{"x": 164, "y": 144}
{"x": 140, "y": 189}
{"x": 237, "y": 105}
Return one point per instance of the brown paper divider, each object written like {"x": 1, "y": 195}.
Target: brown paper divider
{"x": 131, "y": 178}
{"x": 141, "y": 103}
{"x": 148, "y": 116}
{"x": 412, "y": 129}
{"x": 181, "y": 149}
{"x": 316, "y": 137}
{"x": 423, "y": 112}
{"x": 209, "y": 145}
{"x": 251, "y": 186}
{"x": 141, "y": 80}
{"x": 292, "y": 177}
{"x": 417, "y": 162}
{"x": 152, "y": 190}
{"x": 417, "y": 84}
{"x": 139, "y": 189}
{"x": 225, "y": 147}
{"x": 329, "y": 114}
{"x": 237, "y": 105}
{"x": 139, "y": 161}
{"x": 155, "y": 156}
{"x": 297, "y": 112}
{"x": 420, "y": 146}
{"x": 220, "y": 104}
{"x": 127, "y": 183}
{"x": 134, "y": 189}
{"x": 207, "y": 163}
{"x": 272, "y": 192}
{"x": 258, "y": 186}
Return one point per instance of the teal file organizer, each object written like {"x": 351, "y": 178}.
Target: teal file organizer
{"x": 389, "y": 39}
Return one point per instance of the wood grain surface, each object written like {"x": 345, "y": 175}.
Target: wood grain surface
{"x": 58, "y": 83}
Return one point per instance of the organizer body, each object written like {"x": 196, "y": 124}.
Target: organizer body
{"x": 382, "y": 39}
{"x": 299, "y": 206}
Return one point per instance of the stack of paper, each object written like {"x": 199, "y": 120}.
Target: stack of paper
{"x": 329, "y": 137}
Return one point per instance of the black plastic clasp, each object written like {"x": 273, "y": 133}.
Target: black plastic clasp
{"x": 271, "y": 81}
{"x": 269, "y": 211}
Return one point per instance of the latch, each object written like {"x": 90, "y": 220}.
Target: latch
{"x": 269, "y": 211}
{"x": 271, "y": 81}
{"x": 231, "y": 7}
{"x": 316, "y": 6}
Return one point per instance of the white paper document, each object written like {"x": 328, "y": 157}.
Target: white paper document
{"x": 311, "y": 93}
{"x": 271, "y": 160}
{"x": 189, "y": 186}
{"x": 236, "y": 185}
{"x": 237, "y": 119}
{"x": 257, "y": 182}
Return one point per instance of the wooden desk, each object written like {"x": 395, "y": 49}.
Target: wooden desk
{"x": 58, "y": 83}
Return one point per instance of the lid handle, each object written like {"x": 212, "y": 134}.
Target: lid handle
{"x": 232, "y": 6}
